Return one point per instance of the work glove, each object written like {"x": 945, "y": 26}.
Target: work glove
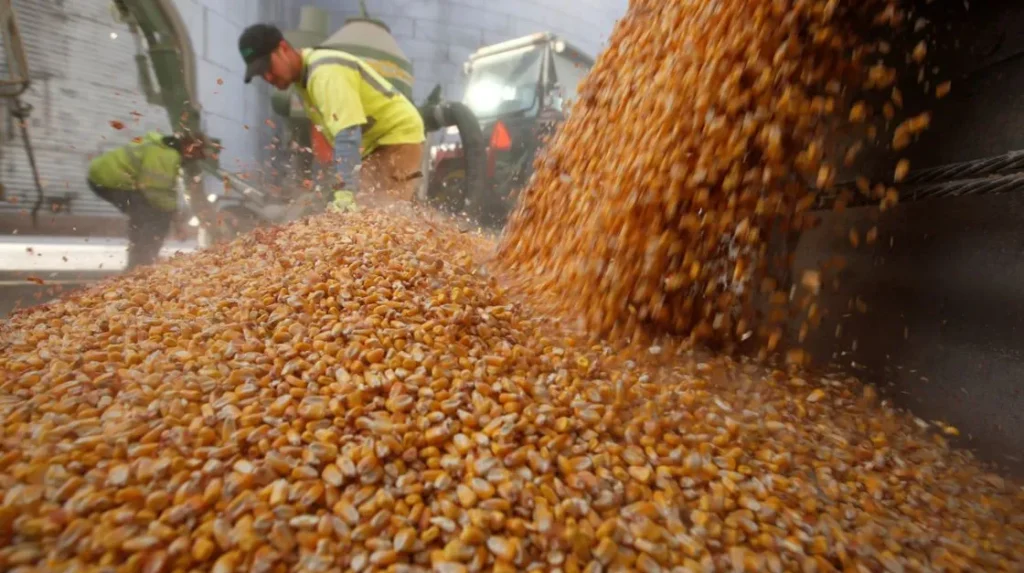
{"x": 343, "y": 202}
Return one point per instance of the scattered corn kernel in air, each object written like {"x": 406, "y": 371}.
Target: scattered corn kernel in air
{"x": 920, "y": 52}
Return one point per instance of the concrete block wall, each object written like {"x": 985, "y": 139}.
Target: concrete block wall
{"x": 439, "y": 35}
{"x": 232, "y": 111}
{"x": 83, "y": 77}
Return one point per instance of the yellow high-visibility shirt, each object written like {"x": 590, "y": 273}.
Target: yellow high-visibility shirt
{"x": 149, "y": 166}
{"x": 340, "y": 90}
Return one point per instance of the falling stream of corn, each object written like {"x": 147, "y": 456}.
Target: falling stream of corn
{"x": 368, "y": 391}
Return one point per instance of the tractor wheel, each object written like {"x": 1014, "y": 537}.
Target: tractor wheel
{"x": 447, "y": 191}
{"x": 501, "y": 201}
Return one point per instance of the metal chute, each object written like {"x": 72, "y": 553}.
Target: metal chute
{"x": 932, "y": 306}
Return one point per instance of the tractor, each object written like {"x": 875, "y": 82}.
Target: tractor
{"x": 519, "y": 90}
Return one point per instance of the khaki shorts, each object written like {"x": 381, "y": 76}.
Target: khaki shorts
{"x": 391, "y": 172}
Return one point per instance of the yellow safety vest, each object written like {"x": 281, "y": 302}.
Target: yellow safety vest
{"x": 149, "y": 166}
{"x": 339, "y": 90}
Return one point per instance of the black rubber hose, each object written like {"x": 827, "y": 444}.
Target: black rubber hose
{"x": 474, "y": 149}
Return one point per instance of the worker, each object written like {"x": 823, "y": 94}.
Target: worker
{"x": 140, "y": 179}
{"x": 377, "y": 133}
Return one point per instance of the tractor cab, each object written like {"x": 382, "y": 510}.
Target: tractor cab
{"x": 519, "y": 90}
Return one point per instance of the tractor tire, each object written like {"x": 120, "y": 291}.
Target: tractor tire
{"x": 447, "y": 191}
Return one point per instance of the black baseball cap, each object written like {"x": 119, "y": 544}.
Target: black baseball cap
{"x": 256, "y": 44}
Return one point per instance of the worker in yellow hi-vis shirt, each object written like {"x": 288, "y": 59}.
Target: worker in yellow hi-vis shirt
{"x": 141, "y": 180}
{"x": 377, "y": 133}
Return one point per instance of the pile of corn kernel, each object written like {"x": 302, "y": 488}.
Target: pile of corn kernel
{"x": 357, "y": 392}
{"x": 700, "y": 131}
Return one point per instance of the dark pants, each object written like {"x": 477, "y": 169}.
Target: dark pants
{"x": 147, "y": 225}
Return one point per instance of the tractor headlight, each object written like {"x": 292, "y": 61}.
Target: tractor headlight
{"x": 487, "y": 96}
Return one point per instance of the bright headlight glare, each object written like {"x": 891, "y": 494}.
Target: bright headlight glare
{"x": 486, "y": 95}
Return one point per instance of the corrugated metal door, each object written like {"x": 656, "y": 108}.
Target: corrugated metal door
{"x": 83, "y": 77}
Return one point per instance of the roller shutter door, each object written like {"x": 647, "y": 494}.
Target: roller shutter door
{"x": 82, "y": 79}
